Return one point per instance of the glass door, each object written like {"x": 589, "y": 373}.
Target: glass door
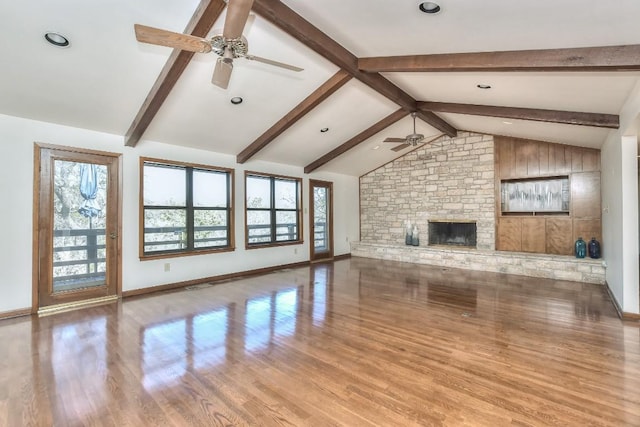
{"x": 77, "y": 236}
{"x": 321, "y": 220}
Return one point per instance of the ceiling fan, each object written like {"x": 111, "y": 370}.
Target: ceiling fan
{"x": 229, "y": 45}
{"x": 412, "y": 139}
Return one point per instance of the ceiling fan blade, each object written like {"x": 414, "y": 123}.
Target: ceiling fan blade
{"x": 237, "y": 15}
{"x": 166, "y": 38}
{"x": 400, "y": 147}
{"x": 222, "y": 72}
{"x": 272, "y": 62}
{"x": 404, "y": 140}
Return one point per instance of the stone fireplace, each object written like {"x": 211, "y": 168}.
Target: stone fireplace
{"x": 453, "y": 233}
{"x": 450, "y": 179}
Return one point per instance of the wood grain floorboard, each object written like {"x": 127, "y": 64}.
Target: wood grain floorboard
{"x": 358, "y": 342}
{"x": 4, "y": 413}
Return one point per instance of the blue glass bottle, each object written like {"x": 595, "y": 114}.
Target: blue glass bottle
{"x": 581, "y": 248}
{"x": 594, "y": 248}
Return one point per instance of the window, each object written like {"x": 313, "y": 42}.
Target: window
{"x": 273, "y": 210}
{"x": 186, "y": 208}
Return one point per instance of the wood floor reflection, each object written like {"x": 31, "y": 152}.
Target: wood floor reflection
{"x": 357, "y": 343}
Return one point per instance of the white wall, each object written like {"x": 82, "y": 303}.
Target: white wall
{"x": 620, "y": 207}
{"x": 17, "y": 138}
{"x": 611, "y": 181}
{"x": 631, "y": 292}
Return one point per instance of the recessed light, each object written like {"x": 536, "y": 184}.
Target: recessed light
{"x": 56, "y": 39}
{"x": 483, "y": 86}
{"x": 323, "y": 130}
{"x": 429, "y": 7}
{"x": 507, "y": 123}
{"x": 236, "y": 100}
{"x": 376, "y": 147}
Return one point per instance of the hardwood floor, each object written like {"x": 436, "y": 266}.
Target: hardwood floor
{"x": 358, "y": 343}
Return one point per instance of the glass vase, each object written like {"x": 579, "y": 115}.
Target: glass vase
{"x": 415, "y": 236}
{"x": 580, "y": 248}
{"x": 407, "y": 236}
{"x": 594, "y": 248}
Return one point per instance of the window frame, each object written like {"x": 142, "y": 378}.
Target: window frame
{"x": 273, "y": 211}
{"x": 189, "y": 208}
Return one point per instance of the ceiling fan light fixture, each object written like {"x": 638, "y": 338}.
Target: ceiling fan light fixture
{"x": 429, "y": 7}
{"x": 483, "y": 86}
{"x": 415, "y": 138}
{"x": 236, "y": 100}
{"x": 56, "y": 39}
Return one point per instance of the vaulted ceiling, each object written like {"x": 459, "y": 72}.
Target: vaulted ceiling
{"x": 367, "y": 65}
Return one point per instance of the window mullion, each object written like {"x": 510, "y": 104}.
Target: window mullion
{"x": 190, "y": 210}
{"x": 229, "y": 201}
{"x": 273, "y": 210}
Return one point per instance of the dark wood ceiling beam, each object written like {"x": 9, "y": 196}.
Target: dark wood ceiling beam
{"x": 610, "y": 121}
{"x": 362, "y": 136}
{"x": 604, "y": 58}
{"x": 432, "y": 119}
{"x": 296, "y": 26}
{"x": 437, "y": 122}
{"x": 293, "y": 24}
{"x": 323, "y": 92}
{"x": 200, "y": 24}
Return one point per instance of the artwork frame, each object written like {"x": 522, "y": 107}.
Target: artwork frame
{"x": 536, "y": 195}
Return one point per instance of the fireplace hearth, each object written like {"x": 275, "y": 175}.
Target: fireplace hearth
{"x": 453, "y": 233}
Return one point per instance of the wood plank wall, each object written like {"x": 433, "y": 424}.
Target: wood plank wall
{"x": 553, "y": 234}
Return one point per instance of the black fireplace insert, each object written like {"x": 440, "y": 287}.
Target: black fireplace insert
{"x": 453, "y": 233}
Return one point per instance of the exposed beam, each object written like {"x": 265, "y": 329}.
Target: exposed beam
{"x": 436, "y": 122}
{"x": 610, "y": 121}
{"x": 200, "y": 24}
{"x": 362, "y": 136}
{"x": 293, "y": 24}
{"x": 323, "y": 92}
{"x": 604, "y": 58}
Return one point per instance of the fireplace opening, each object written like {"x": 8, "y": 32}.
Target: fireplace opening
{"x": 453, "y": 233}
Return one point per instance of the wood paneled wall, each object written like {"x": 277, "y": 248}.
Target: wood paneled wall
{"x": 553, "y": 234}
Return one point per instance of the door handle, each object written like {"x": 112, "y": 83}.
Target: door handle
{"x": 113, "y": 235}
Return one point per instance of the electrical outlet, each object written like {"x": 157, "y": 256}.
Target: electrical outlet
{"x": 167, "y": 266}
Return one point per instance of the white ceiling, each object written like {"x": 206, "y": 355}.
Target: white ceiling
{"x": 101, "y": 81}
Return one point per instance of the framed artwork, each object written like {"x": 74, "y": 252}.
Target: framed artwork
{"x": 535, "y": 195}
